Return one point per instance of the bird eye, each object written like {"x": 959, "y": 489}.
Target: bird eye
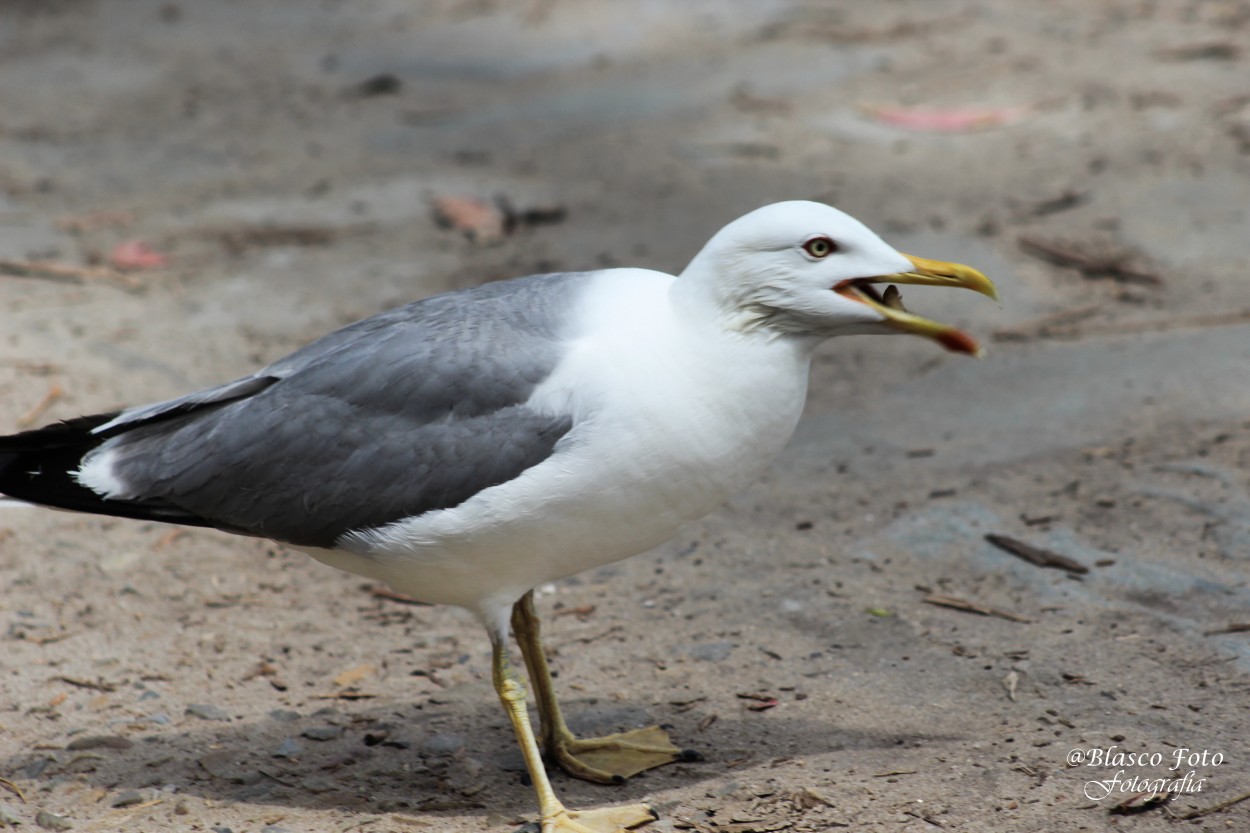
{"x": 820, "y": 247}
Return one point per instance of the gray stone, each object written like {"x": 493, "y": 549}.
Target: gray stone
{"x": 708, "y": 651}
{"x": 99, "y": 742}
{"x": 289, "y": 748}
{"x": 229, "y": 764}
{"x": 441, "y": 744}
{"x": 51, "y": 821}
{"x": 127, "y": 799}
{"x": 207, "y": 711}
{"x": 319, "y": 784}
{"x": 323, "y": 733}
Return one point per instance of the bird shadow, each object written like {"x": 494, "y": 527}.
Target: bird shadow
{"x": 451, "y": 759}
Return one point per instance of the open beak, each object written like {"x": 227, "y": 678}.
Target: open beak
{"x": 926, "y": 273}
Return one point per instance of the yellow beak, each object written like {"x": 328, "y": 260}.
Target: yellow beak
{"x": 926, "y": 273}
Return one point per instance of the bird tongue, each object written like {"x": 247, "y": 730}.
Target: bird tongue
{"x": 892, "y": 297}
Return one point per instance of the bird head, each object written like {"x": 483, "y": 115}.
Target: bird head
{"x": 806, "y": 269}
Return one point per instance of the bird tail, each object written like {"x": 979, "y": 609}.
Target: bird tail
{"x": 38, "y": 466}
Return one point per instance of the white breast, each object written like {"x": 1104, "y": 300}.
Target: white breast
{"x": 669, "y": 421}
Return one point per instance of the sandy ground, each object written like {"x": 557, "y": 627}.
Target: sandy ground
{"x": 283, "y": 156}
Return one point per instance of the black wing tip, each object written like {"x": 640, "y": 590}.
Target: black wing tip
{"x": 38, "y": 466}
{"x": 66, "y": 433}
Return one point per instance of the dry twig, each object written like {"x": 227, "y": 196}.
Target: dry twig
{"x": 394, "y": 596}
{"x": 1062, "y": 325}
{"x": 29, "y": 418}
{"x": 66, "y": 273}
{"x": 1214, "y": 808}
{"x": 1036, "y": 555}
{"x": 94, "y": 686}
{"x": 1234, "y": 627}
{"x": 14, "y": 788}
{"x": 955, "y": 603}
{"x": 1111, "y": 264}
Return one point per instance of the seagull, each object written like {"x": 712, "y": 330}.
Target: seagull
{"x": 469, "y": 447}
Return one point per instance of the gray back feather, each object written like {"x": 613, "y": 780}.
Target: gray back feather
{"x": 408, "y": 411}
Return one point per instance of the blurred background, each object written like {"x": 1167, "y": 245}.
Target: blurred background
{"x": 188, "y": 190}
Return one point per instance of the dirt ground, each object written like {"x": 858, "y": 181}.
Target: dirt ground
{"x": 282, "y": 158}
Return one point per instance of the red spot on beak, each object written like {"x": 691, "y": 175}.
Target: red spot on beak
{"x": 958, "y": 342}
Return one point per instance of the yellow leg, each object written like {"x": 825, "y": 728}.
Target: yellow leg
{"x": 605, "y": 760}
{"x": 555, "y": 817}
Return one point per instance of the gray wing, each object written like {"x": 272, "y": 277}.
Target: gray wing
{"x": 412, "y": 410}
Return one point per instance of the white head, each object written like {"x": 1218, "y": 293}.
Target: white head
{"x": 806, "y": 269}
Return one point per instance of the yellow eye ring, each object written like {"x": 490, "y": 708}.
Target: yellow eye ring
{"x": 819, "y": 247}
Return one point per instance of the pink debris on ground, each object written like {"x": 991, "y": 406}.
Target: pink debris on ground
{"x": 135, "y": 256}
{"x": 952, "y": 120}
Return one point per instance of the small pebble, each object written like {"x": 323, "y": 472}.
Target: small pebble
{"x": 285, "y": 715}
{"x": 230, "y": 765}
{"x": 36, "y": 768}
{"x": 442, "y": 744}
{"x": 206, "y": 711}
{"x": 127, "y": 799}
{"x": 99, "y": 742}
{"x": 288, "y": 749}
{"x": 319, "y": 784}
{"x": 710, "y": 651}
{"x": 8, "y": 817}
{"x": 51, "y": 821}
{"x": 323, "y": 733}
